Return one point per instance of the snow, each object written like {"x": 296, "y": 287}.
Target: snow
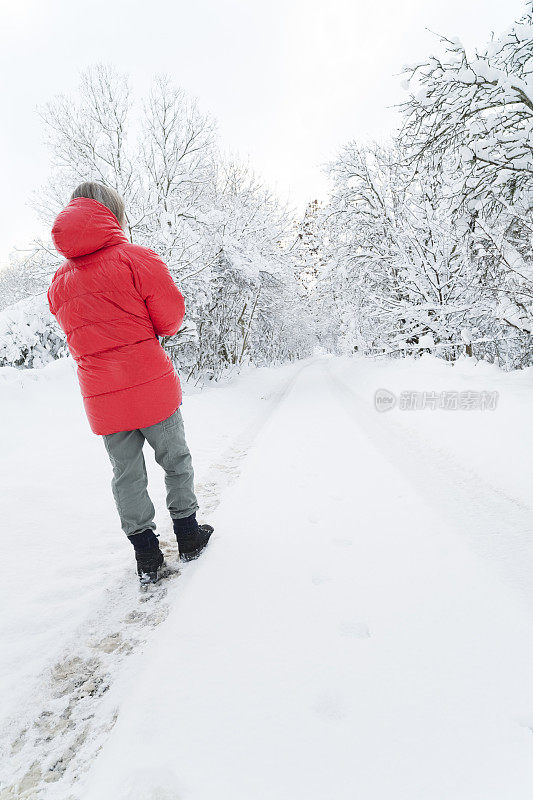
{"x": 360, "y": 625}
{"x": 29, "y": 335}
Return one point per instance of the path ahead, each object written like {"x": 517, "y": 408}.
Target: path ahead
{"x": 345, "y": 637}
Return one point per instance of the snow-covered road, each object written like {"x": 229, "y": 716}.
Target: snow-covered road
{"x": 360, "y": 627}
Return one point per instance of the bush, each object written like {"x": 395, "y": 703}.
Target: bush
{"x": 29, "y": 334}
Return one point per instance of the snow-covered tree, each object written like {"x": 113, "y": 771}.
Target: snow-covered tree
{"x": 479, "y": 106}
{"x": 308, "y": 256}
{"x": 30, "y": 335}
{"x": 88, "y": 140}
{"x": 404, "y": 277}
{"x": 28, "y": 273}
{"x": 472, "y": 114}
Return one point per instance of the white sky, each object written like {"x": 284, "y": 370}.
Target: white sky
{"x": 288, "y": 82}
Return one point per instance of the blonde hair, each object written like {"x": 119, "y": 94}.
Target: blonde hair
{"x": 105, "y": 195}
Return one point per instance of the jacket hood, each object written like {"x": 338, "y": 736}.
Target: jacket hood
{"x": 85, "y": 226}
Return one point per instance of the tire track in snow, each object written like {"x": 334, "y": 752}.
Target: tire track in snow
{"x": 226, "y": 470}
{"x": 499, "y": 526}
{"x": 73, "y": 714}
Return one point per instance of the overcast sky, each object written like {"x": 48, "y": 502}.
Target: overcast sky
{"x": 288, "y": 81}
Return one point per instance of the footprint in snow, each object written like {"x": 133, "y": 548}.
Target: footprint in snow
{"x": 318, "y": 578}
{"x": 353, "y": 628}
{"x": 342, "y": 541}
{"x": 330, "y": 706}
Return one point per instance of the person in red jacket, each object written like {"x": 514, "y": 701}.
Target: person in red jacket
{"x": 113, "y": 299}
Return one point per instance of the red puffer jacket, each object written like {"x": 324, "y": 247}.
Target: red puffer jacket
{"x": 113, "y": 299}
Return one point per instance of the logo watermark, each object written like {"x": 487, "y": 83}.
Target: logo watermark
{"x": 469, "y": 400}
{"x": 384, "y": 400}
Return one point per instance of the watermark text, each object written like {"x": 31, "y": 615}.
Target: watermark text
{"x": 411, "y": 400}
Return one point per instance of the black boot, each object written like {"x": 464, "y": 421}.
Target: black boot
{"x": 192, "y": 538}
{"x": 148, "y": 555}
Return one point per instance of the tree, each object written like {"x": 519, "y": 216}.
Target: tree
{"x": 472, "y": 114}
{"x": 405, "y": 279}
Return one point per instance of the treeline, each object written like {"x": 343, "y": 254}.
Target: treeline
{"x": 426, "y": 244}
{"x": 226, "y": 239}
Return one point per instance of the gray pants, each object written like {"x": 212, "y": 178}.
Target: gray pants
{"x": 130, "y": 482}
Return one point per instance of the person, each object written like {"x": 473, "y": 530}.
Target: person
{"x": 113, "y": 299}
